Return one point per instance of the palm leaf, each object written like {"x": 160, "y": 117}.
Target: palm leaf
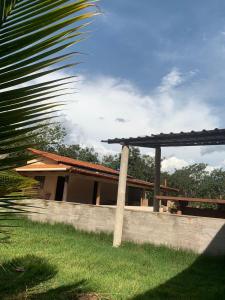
{"x": 33, "y": 35}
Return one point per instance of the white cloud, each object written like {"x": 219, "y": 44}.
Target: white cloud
{"x": 172, "y": 163}
{"x": 101, "y": 100}
{"x": 171, "y": 80}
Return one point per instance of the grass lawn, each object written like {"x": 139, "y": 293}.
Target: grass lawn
{"x": 45, "y": 261}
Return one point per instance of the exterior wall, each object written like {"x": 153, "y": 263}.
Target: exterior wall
{"x": 108, "y": 193}
{"x": 198, "y": 234}
{"x": 80, "y": 189}
{"x": 49, "y": 188}
{"x": 134, "y": 196}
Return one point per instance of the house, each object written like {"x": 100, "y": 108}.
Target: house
{"x": 65, "y": 179}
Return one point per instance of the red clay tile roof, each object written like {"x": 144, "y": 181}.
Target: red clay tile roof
{"x": 85, "y": 168}
{"x": 73, "y": 162}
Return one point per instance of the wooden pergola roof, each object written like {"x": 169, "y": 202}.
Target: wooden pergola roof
{"x": 192, "y": 138}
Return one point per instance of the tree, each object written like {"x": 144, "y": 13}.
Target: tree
{"x": 140, "y": 166}
{"x": 33, "y": 36}
{"x": 111, "y": 161}
{"x": 189, "y": 180}
{"x": 78, "y": 152}
{"x": 50, "y": 137}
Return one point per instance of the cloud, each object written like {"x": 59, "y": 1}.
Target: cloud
{"x": 171, "y": 80}
{"x": 212, "y": 149}
{"x": 170, "y": 107}
{"x": 121, "y": 120}
{"x": 172, "y": 163}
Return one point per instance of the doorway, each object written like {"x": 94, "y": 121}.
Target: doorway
{"x": 59, "y": 188}
{"x": 94, "y": 195}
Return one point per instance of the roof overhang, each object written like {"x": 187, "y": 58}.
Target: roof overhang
{"x": 192, "y": 138}
{"x": 40, "y": 169}
{"x": 26, "y": 170}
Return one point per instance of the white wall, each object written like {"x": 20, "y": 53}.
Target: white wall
{"x": 198, "y": 234}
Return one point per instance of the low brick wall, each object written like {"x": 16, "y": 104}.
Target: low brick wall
{"x": 198, "y": 234}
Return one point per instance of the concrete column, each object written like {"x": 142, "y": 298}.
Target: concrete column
{"x": 121, "y": 197}
{"x": 98, "y": 195}
{"x": 65, "y": 190}
{"x": 144, "y": 199}
{"x": 157, "y": 178}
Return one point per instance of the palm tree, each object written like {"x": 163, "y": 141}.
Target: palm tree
{"x": 33, "y": 33}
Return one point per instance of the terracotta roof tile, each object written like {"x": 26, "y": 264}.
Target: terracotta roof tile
{"x": 84, "y": 168}
{"x": 73, "y": 162}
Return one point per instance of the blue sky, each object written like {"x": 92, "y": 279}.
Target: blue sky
{"x": 143, "y": 41}
{"x": 152, "y": 66}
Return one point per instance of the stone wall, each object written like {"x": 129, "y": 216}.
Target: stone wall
{"x": 198, "y": 234}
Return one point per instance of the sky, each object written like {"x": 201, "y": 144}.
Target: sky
{"x": 151, "y": 66}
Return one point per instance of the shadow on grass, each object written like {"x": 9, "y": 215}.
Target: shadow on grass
{"x": 76, "y": 291}
{"x": 10, "y": 209}
{"x": 204, "y": 279}
{"x": 19, "y": 275}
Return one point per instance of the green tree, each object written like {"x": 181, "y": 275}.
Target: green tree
{"x": 189, "y": 180}
{"x": 111, "y": 161}
{"x": 33, "y": 36}
{"x": 140, "y": 166}
{"x": 50, "y": 138}
{"x": 78, "y": 152}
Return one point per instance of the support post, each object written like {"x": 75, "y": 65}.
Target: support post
{"x": 121, "y": 197}
{"x": 98, "y": 195}
{"x": 65, "y": 190}
{"x": 144, "y": 199}
{"x": 157, "y": 178}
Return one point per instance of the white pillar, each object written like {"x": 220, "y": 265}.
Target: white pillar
{"x": 98, "y": 195}
{"x": 65, "y": 190}
{"x": 144, "y": 199}
{"x": 157, "y": 178}
{"x": 121, "y": 197}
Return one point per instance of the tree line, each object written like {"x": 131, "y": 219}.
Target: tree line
{"x": 192, "y": 181}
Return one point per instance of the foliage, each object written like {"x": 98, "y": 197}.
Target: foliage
{"x": 189, "y": 180}
{"x": 192, "y": 181}
{"x": 10, "y": 182}
{"x": 50, "y": 137}
{"x": 34, "y": 34}
{"x": 111, "y": 161}
{"x": 140, "y": 166}
{"x": 196, "y": 181}
{"x": 78, "y": 152}
{"x": 62, "y": 263}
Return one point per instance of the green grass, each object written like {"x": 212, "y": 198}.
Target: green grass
{"x": 58, "y": 262}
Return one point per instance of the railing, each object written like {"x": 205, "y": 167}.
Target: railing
{"x": 186, "y": 199}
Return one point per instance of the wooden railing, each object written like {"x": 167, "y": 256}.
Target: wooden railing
{"x": 186, "y": 199}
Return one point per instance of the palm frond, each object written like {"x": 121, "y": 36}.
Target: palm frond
{"x": 34, "y": 36}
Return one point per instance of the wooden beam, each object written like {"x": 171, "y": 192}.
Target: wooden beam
{"x": 121, "y": 197}
{"x": 185, "y": 199}
{"x": 98, "y": 195}
{"x": 157, "y": 178}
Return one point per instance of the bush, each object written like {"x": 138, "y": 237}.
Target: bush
{"x": 10, "y": 182}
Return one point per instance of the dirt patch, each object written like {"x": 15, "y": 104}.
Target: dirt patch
{"x": 91, "y": 296}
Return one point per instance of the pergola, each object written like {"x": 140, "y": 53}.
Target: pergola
{"x": 156, "y": 141}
